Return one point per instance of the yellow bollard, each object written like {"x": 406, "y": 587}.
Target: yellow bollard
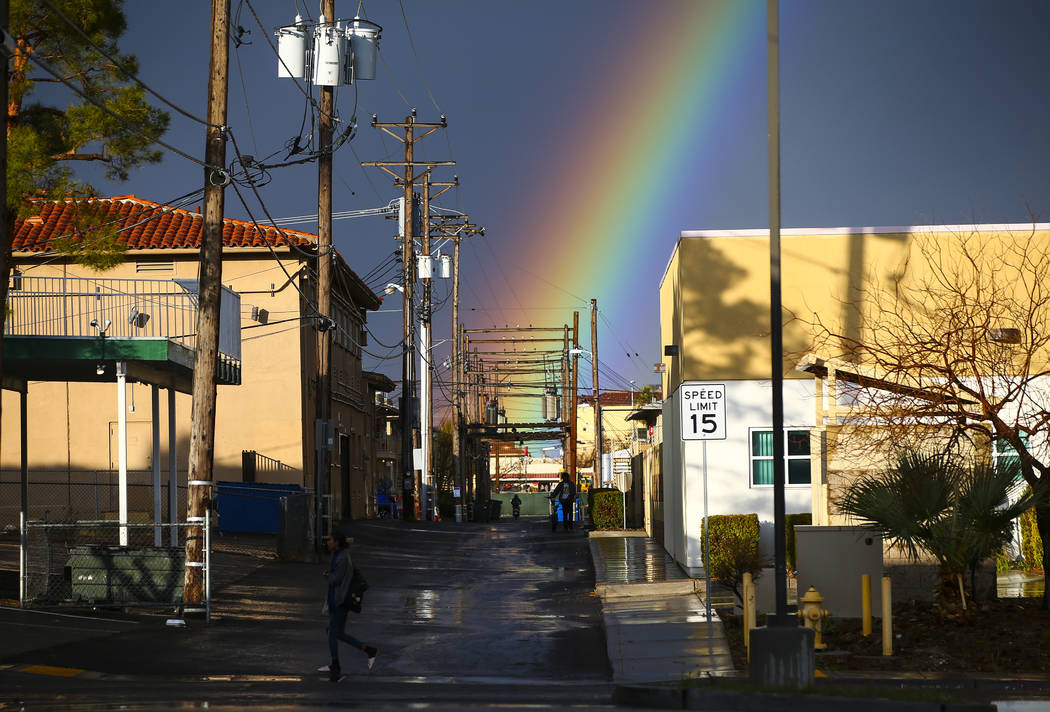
{"x": 887, "y": 617}
{"x": 865, "y": 604}
{"x": 743, "y": 590}
{"x": 751, "y": 620}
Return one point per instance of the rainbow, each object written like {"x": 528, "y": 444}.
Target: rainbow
{"x": 624, "y": 175}
{"x": 607, "y": 211}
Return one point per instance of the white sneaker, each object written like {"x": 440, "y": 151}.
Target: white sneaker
{"x": 324, "y": 668}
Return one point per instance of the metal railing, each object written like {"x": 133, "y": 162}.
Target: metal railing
{"x": 133, "y": 308}
{"x": 253, "y": 464}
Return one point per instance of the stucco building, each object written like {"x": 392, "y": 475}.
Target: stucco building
{"x": 273, "y": 410}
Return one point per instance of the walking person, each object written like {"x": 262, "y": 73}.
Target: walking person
{"x": 565, "y": 495}
{"x": 340, "y": 572}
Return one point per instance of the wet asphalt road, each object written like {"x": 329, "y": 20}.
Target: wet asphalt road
{"x": 465, "y": 617}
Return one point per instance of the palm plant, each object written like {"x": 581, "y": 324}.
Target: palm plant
{"x": 958, "y": 512}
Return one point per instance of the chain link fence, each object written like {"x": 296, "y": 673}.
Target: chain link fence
{"x": 107, "y": 563}
{"x": 74, "y": 551}
{"x": 74, "y": 495}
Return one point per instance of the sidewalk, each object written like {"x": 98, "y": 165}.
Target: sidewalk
{"x": 655, "y": 621}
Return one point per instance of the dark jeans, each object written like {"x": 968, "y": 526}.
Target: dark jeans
{"x": 336, "y": 624}
{"x": 567, "y": 510}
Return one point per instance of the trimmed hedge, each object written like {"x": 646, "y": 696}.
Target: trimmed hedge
{"x": 606, "y": 507}
{"x": 790, "y": 520}
{"x": 1031, "y": 542}
{"x": 733, "y": 548}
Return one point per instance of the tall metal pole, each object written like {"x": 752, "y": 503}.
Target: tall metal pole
{"x": 206, "y": 348}
{"x": 597, "y": 482}
{"x": 775, "y": 316}
{"x": 323, "y": 395}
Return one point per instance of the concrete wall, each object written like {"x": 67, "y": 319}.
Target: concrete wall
{"x": 730, "y": 491}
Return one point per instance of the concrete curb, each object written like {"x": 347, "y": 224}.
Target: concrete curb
{"x": 695, "y": 698}
{"x": 616, "y": 533}
{"x": 655, "y": 589}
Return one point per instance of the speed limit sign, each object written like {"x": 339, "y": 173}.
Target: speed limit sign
{"x": 703, "y": 411}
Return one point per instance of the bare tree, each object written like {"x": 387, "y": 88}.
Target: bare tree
{"x": 954, "y": 346}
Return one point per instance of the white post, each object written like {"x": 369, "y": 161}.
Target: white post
{"x": 424, "y": 407}
{"x": 122, "y": 448}
{"x": 173, "y": 473}
{"x": 158, "y": 500}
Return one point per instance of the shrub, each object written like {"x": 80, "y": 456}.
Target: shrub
{"x": 733, "y": 549}
{"x": 790, "y": 520}
{"x": 606, "y": 507}
{"x": 1031, "y": 542}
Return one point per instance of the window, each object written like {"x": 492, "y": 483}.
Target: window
{"x": 796, "y": 456}
{"x": 1004, "y": 454}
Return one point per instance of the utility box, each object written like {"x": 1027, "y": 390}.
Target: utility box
{"x": 114, "y": 574}
{"x": 833, "y": 559}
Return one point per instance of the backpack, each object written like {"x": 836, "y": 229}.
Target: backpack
{"x": 356, "y": 591}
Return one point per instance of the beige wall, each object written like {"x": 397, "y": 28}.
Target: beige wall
{"x": 69, "y": 424}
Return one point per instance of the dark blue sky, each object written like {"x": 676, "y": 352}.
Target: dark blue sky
{"x": 894, "y": 113}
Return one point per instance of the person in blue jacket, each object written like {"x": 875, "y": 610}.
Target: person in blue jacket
{"x": 340, "y": 572}
{"x": 565, "y": 495}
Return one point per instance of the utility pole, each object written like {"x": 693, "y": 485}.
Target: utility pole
{"x": 323, "y": 394}
{"x": 206, "y": 348}
{"x": 565, "y": 400}
{"x": 426, "y": 369}
{"x": 597, "y": 482}
{"x": 574, "y": 378}
{"x": 410, "y": 479}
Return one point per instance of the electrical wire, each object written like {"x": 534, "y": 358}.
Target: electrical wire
{"x": 123, "y": 70}
{"x": 415, "y": 54}
{"x": 129, "y": 124}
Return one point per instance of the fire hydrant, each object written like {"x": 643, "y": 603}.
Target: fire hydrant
{"x": 812, "y": 614}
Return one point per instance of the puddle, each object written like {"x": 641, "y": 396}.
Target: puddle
{"x": 1015, "y": 584}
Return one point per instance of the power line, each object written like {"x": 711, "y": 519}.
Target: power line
{"x": 129, "y": 124}
{"x": 130, "y": 75}
{"x": 415, "y": 54}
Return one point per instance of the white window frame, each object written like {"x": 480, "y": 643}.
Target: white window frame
{"x": 751, "y": 457}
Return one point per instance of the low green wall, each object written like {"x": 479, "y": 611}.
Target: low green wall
{"x": 531, "y": 503}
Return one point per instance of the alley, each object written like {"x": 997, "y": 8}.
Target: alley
{"x": 480, "y": 613}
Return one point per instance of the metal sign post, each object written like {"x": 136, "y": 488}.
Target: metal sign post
{"x": 704, "y": 418}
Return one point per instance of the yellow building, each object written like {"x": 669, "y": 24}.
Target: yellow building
{"x": 272, "y": 411}
{"x": 714, "y": 316}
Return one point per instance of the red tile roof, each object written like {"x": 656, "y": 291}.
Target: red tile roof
{"x": 143, "y": 225}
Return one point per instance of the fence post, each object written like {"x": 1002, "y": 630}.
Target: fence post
{"x": 207, "y": 567}
{"x": 22, "y": 560}
{"x": 94, "y": 478}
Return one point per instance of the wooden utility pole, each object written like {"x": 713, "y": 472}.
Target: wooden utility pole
{"x": 565, "y": 401}
{"x": 597, "y": 481}
{"x": 324, "y": 299}
{"x": 409, "y": 434}
{"x": 426, "y": 366}
{"x": 574, "y": 378}
{"x": 206, "y": 348}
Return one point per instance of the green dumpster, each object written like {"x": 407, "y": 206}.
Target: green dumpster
{"x": 114, "y": 574}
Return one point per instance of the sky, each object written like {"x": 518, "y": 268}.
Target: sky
{"x": 589, "y": 133}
